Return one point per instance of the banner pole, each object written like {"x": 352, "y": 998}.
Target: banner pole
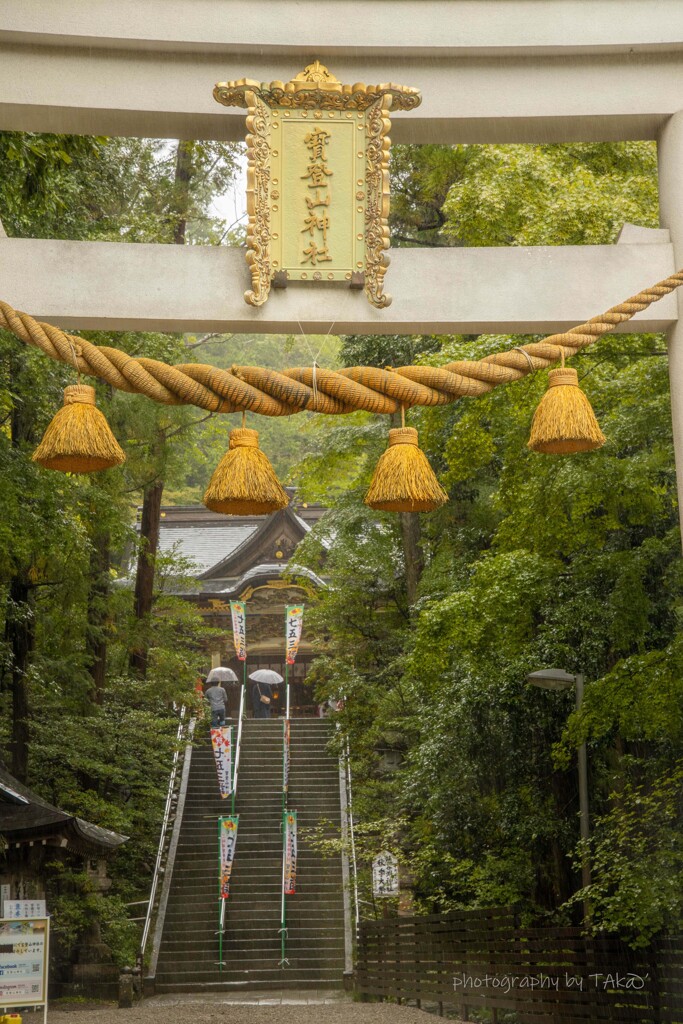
{"x": 233, "y": 753}
{"x": 283, "y": 910}
{"x": 220, "y": 905}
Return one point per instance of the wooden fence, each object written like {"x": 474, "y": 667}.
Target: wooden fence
{"x": 477, "y": 959}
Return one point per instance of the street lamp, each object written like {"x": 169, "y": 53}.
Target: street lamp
{"x": 558, "y": 679}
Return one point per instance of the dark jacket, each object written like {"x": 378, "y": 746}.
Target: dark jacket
{"x": 259, "y": 690}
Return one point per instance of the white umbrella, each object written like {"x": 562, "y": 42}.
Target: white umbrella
{"x": 266, "y": 675}
{"x": 221, "y": 675}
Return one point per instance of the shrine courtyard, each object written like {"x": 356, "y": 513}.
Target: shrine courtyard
{"x": 251, "y": 1008}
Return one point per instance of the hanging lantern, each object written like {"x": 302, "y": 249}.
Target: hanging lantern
{"x": 244, "y": 482}
{"x": 564, "y": 421}
{"x": 403, "y": 480}
{"x": 79, "y": 440}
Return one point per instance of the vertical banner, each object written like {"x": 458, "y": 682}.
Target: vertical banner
{"x": 238, "y": 611}
{"x": 227, "y": 840}
{"x": 285, "y": 757}
{"x": 221, "y": 741}
{"x": 294, "y": 620}
{"x": 290, "y": 853}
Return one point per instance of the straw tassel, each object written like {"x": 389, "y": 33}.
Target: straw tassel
{"x": 564, "y": 421}
{"x": 79, "y": 440}
{"x": 244, "y": 482}
{"x": 403, "y": 480}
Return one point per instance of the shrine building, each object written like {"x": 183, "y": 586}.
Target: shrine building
{"x": 248, "y": 558}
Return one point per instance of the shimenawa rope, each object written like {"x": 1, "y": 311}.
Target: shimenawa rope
{"x": 272, "y": 393}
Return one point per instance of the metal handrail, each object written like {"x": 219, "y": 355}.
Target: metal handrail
{"x": 349, "y": 799}
{"x": 162, "y": 837}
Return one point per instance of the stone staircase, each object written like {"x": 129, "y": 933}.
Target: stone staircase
{"x": 188, "y": 953}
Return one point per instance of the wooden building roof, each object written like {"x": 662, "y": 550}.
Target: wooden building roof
{"x": 26, "y": 818}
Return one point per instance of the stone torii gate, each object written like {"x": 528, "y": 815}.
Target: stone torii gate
{"x": 489, "y": 71}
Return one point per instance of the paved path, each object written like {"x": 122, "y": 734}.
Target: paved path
{"x": 272, "y": 1008}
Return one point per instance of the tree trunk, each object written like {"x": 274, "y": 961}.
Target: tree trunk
{"x": 151, "y": 502}
{"x": 20, "y": 636}
{"x": 181, "y": 190}
{"x": 144, "y": 579}
{"x": 96, "y": 634}
{"x": 411, "y": 541}
{"x": 19, "y": 615}
{"x": 412, "y": 552}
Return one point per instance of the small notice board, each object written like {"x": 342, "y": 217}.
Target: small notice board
{"x": 24, "y": 953}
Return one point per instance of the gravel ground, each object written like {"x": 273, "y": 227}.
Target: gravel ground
{"x": 202, "y": 1013}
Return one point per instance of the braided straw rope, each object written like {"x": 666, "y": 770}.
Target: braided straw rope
{"x": 273, "y": 393}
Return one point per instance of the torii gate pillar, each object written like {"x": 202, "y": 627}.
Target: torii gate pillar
{"x": 670, "y": 155}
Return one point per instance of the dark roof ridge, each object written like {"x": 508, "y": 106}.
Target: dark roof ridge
{"x": 38, "y": 816}
{"x": 270, "y": 524}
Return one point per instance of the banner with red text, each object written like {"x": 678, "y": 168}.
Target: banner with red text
{"x": 221, "y": 741}
{"x": 238, "y": 611}
{"x": 294, "y": 621}
{"x": 290, "y": 852}
{"x": 227, "y": 840}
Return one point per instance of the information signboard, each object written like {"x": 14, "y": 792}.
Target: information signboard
{"x": 27, "y": 909}
{"x": 24, "y": 947}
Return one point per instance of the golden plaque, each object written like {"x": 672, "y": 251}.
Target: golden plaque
{"x": 318, "y": 179}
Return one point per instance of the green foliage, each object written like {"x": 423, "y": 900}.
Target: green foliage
{"x": 61, "y": 186}
{"x": 536, "y": 561}
{"x": 636, "y": 856}
{"x": 100, "y": 751}
{"x": 552, "y": 195}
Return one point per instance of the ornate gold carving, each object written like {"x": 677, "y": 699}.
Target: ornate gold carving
{"x": 377, "y": 202}
{"x": 249, "y": 592}
{"x": 268, "y": 105}
{"x": 308, "y": 95}
{"x": 258, "y": 205}
{"x": 315, "y": 72}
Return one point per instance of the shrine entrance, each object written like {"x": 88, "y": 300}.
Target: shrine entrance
{"x": 248, "y": 560}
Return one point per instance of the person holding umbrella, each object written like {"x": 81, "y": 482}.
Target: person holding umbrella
{"x": 216, "y": 695}
{"x": 264, "y": 679}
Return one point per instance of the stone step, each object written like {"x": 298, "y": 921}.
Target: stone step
{"x": 281, "y": 980}
{"x": 305, "y": 960}
{"x": 314, "y": 915}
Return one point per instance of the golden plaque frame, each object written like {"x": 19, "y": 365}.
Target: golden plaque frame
{"x": 310, "y": 101}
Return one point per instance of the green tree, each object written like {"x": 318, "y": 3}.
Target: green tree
{"x": 536, "y": 560}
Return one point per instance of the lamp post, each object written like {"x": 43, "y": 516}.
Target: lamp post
{"x": 557, "y": 679}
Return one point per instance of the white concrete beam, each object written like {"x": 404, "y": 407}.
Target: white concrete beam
{"x": 489, "y": 71}
{"x": 389, "y": 27}
{"x": 119, "y": 286}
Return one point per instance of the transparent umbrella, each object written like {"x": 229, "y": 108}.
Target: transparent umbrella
{"x": 266, "y": 675}
{"x": 221, "y": 675}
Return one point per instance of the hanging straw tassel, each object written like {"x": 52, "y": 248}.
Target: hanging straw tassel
{"x": 403, "y": 480}
{"x": 244, "y": 482}
{"x": 564, "y": 421}
{"x": 79, "y": 440}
